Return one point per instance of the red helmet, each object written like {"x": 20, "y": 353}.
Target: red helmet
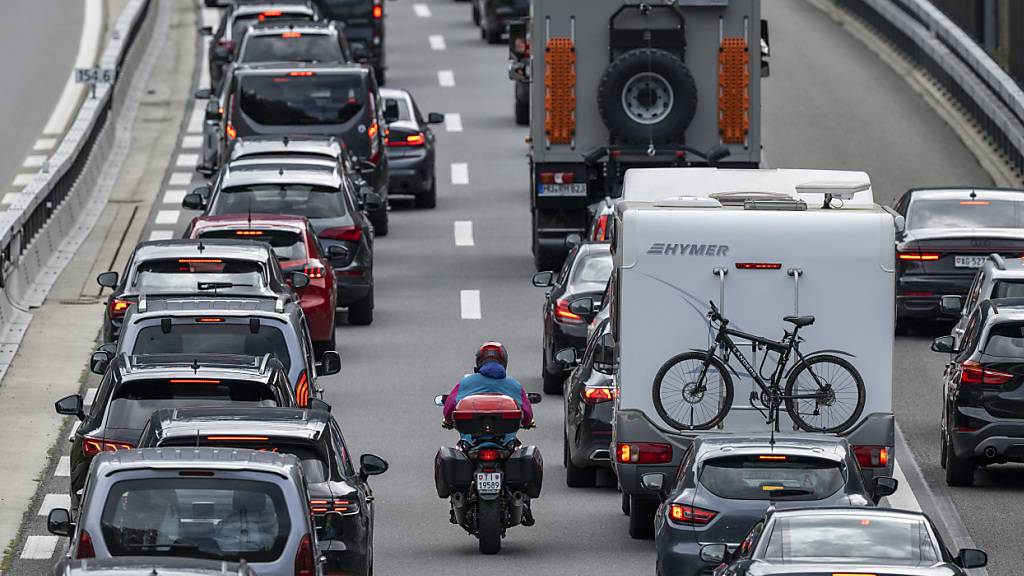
{"x": 492, "y": 352}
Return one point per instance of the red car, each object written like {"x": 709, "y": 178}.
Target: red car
{"x": 297, "y": 249}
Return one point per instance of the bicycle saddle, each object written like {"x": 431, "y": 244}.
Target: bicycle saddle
{"x": 799, "y": 321}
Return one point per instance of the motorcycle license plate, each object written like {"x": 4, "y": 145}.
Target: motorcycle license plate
{"x": 488, "y": 482}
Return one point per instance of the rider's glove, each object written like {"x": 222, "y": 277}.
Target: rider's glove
{"x": 530, "y": 426}
{"x": 447, "y": 424}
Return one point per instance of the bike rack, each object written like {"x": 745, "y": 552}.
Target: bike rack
{"x": 796, "y": 273}
{"x": 721, "y": 272}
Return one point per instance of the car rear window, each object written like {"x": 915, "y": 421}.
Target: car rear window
{"x": 313, "y": 466}
{"x": 214, "y": 338}
{"x": 1005, "y": 289}
{"x": 303, "y": 98}
{"x": 593, "y": 269}
{"x": 966, "y": 213}
{"x": 289, "y": 199}
{"x": 772, "y": 477}
{"x": 292, "y": 47}
{"x": 218, "y": 518}
{"x": 194, "y": 389}
{"x": 242, "y": 22}
{"x": 196, "y": 274}
{"x": 404, "y": 112}
{"x": 287, "y": 245}
{"x": 851, "y": 539}
{"x": 1005, "y": 339}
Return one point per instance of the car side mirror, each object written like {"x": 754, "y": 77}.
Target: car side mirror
{"x": 391, "y": 113}
{"x": 567, "y": 358}
{"x": 372, "y": 465}
{"x": 713, "y": 553}
{"x": 99, "y": 361}
{"x": 543, "y": 279}
{"x": 534, "y": 398}
{"x": 221, "y": 53}
{"x": 440, "y": 399}
{"x": 70, "y": 406}
{"x": 213, "y": 111}
{"x": 372, "y": 202}
{"x": 573, "y": 240}
{"x": 58, "y": 522}
{"x": 435, "y": 118}
{"x": 330, "y": 363}
{"x": 950, "y": 305}
{"x": 338, "y": 252}
{"x": 206, "y": 30}
{"x": 318, "y": 404}
{"x": 107, "y": 279}
{"x": 202, "y": 94}
{"x": 299, "y": 280}
{"x": 193, "y": 201}
{"x": 943, "y": 344}
{"x": 971, "y": 558}
{"x": 582, "y": 306}
{"x": 604, "y": 351}
{"x": 883, "y": 486}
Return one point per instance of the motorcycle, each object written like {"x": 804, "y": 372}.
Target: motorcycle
{"x": 488, "y": 482}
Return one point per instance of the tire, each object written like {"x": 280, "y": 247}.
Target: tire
{"x": 942, "y": 450}
{"x": 428, "y": 198}
{"x": 361, "y": 313}
{"x": 381, "y": 75}
{"x": 476, "y": 13}
{"x": 379, "y": 219}
{"x": 576, "y": 476}
{"x": 489, "y": 526}
{"x": 625, "y": 504}
{"x": 553, "y": 383}
{"x": 641, "y": 518}
{"x": 673, "y": 371}
{"x": 633, "y": 77}
{"x": 959, "y": 471}
{"x": 522, "y": 112}
{"x": 830, "y": 369}
{"x": 493, "y": 34}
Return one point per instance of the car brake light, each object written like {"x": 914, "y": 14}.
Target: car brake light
{"x": 85, "y": 549}
{"x": 566, "y": 316}
{"x": 325, "y": 505}
{"x": 302, "y": 73}
{"x": 972, "y": 372}
{"x": 410, "y": 140}
{"x": 488, "y": 455}
{"x": 974, "y": 202}
{"x": 248, "y": 232}
{"x": 378, "y": 12}
{"x": 344, "y": 233}
{"x": 305, "y": 560}
{"x": 683, "y": 514}
{"x": 237, "y": 438}
{"x": 314, "y": 271}
{"x": 199, "y": 261}
{"x": 193, "y": 381}
{"x": 872, "y": 456}
{"x": 758, "y": 265}
{"x": 598, "y": 394}
{"x": 643, "y": 453}
{"x": 777, "y": 457}
{"x": 206, "y": 320}
{"x": 291, "y": 35}
{"x": 230, "y": 131}
{"x": 269, "y": 14}
{"x": 601, "y": 229}
{"x": 556, "y": 177}
{"x": 373, "y": 130}
{"x": 118, "y": 307}
{"x": 93, "y": 446}
{"x": 919, "y": 256}
{"x": 302, "y": 390}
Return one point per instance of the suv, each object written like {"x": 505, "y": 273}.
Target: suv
{"x": 294, "y": 42}
{"x": 494, "y": 15}
{"x": 314, "y": 437}
{"x": 364, "y": 29}
{"x": 998, "y": 277}
{"x": 224, "y": 505}
{"x": 135, "y": 386}
{"x": 983, "y": 409}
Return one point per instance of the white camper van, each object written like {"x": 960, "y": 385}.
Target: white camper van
{"x": 761, "y": 245}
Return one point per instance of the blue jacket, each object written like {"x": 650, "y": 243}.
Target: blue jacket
{"x": 491, "y": 378}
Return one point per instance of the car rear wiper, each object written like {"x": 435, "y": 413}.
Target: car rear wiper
{"x": 219, "y": 285}
{"x": 788, "y": 492}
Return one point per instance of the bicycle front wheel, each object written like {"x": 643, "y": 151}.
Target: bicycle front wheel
{"x": 824, "y": 394}
{"x": 684, "y": 399}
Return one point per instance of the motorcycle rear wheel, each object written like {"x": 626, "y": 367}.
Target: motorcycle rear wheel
{"x": 489, "y": 526}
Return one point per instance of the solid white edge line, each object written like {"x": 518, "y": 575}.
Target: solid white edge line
{"x": 904, "y": 498}
{"x": 195, "y": 121}
{"x": 88, "y": 47}
{"x": 470, "y": 304}
{"x": 464, "y": 233}
{"x": 39, "y": 547}
{"x": 453, "y": 122}
{"x": 460, "y": 173}
{"x": 437, "y": 42}
{"x": 446, "y": 78}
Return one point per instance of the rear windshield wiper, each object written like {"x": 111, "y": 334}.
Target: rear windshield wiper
{"x": 219, "y": 285}
{"x": 788, "y": 492}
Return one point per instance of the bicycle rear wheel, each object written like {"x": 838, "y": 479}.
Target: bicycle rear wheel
{"x": 838, "y": 400}
{"x": 686, "y": 403}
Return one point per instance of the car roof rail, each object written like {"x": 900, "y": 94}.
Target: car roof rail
{"x": 998, "y": 260}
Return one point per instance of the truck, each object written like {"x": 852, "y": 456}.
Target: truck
{"x": 618, "y": 84}
{"x": 760, "y": 245}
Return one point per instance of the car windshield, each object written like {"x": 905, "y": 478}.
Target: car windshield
{"x": 219, "y": 518}
{"x": 242, "y": 22}
{"x": 771, "y": 477}
{"x": 851, "y": 539}
{"x": 289, "y": 199}
{"x": 303, "y": 98}
{"x": 593, "y": 269}
{"x": 1006, "y": 339}
{"x": 292, "y": 47}
{"x": 214, "y": 337}
{"x": 1007, "y": 289}
{"x": 966, "y": 213}
{"x": 196, "y": 274}
{"x": 287, "y": 245}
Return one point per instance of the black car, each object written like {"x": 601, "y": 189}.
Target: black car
{"x": 314, "y": 437}
{"x": 294, "y": 41}
{"x": 983, "y": 392}
{"x": 495, "y": 15}
{"x": 150, "y": 565}
{"x": 307, "y": 186}
{"x": 583, "y": 276}
{"x": 135, "y": 386}
{"x": 949, "y": 233}
{"x": 284, "y": 99}
{"x": 364, "y": 28}
{"x": 726, "y": 483}
{"x": 411, "y": 155}
{"x": 192, "y": 267}
{"x": 837, "y": 541}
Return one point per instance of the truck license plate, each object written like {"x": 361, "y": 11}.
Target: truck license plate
{"x": 969, "y": 261}
{"x": 578, "y": 189}
{"x": 488, "y": 482}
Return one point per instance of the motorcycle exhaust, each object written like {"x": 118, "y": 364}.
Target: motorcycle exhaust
{"x": 459, "y": 505}
{"x": 515, "y": 508}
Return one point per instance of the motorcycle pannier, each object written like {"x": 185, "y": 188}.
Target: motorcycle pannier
{"x": 453, "y": 470}
{"x": 525, "y": 470}
{"x": 487, "y": 414}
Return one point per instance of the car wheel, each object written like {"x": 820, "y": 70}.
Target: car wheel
{"x": 428, "y": 198}
{"x": 641, "y": 518}
{"x": 552, "y": 382}
{"x": 942, "y": 450}
{"x": 379, "y": 219}
{"x": 476, "y": 14}
{"x": 625, "y": 504}
{"x": 576, "y": 476}
{"x": 493, "y": 34}
{"x": 361, "y": 313}
{"x": 959, "y": 471}
{"x": 522, "y": 112}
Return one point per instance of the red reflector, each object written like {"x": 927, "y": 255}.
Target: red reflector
{"x": 566, "y": 316}
{"x": 919, "y": 256}
{"x": 771, "y": 457}
{"x": 303, "y": 73}
{"x": 344, "y": 233}
{"x": 292, "y": 35}
{"x": 85, "y": 549}
{"x": 966, "y": 429}
{"x": 598, "y": 394}
{"x": 556, "y": 177}
{"x": 684, "y": 514}
{"x": 973, "y": 373}
{"x": 871, "y": 456}
{"x": 758, "y": 265}
{"x": 488, "y": 455}
{"x": 643, "y": 453}
{"x": 93, "y": 446}
{"x": 193, "y": 381}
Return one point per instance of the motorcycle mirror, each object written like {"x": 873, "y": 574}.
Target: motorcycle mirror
{"x": 534, "y": 397}
{"x": 440, "y": 399}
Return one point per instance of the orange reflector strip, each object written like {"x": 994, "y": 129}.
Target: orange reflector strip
{"x": 199, "y": 260}
{"x": 734, "y": 90}
{"x": 292, "y": 35}
{"x": 974, "y": 203}
{"x": 770, "y": 457}
{"x": 300, "y": 73}
{"x": 209, "y": 320}
{"x": 193, "y": 381}
{"x": 249, "y": 232}
{"x": 560, "y": 93}
{"x": 238, "y": 438}
{"x": 758, "y": 265}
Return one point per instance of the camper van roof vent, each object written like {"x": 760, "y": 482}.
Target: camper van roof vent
{"x": 840, "y": 190}
{"x": 687, "y": 202}
{"x": 791, "y": 204}
{"x": 739, "y": 198}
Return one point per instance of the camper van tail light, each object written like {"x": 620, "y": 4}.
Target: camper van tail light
{"x": 972, "y": 372}
{"x": 556, "y": 177}
{"x": 758, "y": 265}
{"x": 85, "y": 549}
{"x": 598, "y": 394}
{"x": 919, "y": 256}
{"x": 643, "y": 453}
{"x": 690, "y": 515}
{"x": 564, "y": 315}
{"x": 872, "y": 456}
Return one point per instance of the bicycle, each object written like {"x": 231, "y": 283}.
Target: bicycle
{"x": 816, "y": 389}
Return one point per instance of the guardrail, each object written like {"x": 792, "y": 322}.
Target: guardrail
{"x": 987, "y": 94}
{"x": 33, "y": 228}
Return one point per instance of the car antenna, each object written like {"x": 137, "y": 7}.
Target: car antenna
{"x": 201, "y": 247}
{"x": 974, "y": 194}
{"x": 195, "y": 366}
{"x": 285, "y": 140}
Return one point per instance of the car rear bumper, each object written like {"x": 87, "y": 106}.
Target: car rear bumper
{"x": 591, "y": 444}
{"x": 917, "y": 295}
{"x": 318, "y": 310}
{"x": 998, "y": 440}
{"x": 679, "y": 557}
{"x": 410, "y": 175}
{"x": 353, "y": 285}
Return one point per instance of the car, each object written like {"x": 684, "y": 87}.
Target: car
{"x": 983, "y": 414}
{"x": 150, "y": 565}
{"x": 584, "y": 274}
{"x": 842, "y": 541}
{"x": 949, "y": 233}
{"x": 364, "y": 29}
{"x": 314, "y": 437}
{"x": 602, "y": 218}
{"x": 495, "y": 15}
{"x": 297, "y": 249}
{"x": 278, "y": 99}
{"x": 998, "y": 277}
{"x": 294, "y": 41}
{"x": 198, "y": 502}
{"x": 224, "y": 325}
{"x": 411, "y": 147}
{"x": 134, "y": 386}
{"x": 310, "y": 187}
{"x": 191, "y": 267}
{"x": 725, "y": 483}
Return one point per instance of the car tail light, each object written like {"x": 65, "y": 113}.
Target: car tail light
{"x": 872, "y": 456}
{"x": 229, "y": 45}
{"x": 488, "y": 455}
{"x": 314, "y": 270}
{"x": 643, "y": 453}
{"x": 119, "y": 307}
{"x": 598, "y": 394}
{"x": 564, "y": 315}
{"x": 378, "y": 12}
{"x": 302, "y": 390}
{"x": 345, "y": 233}
{"x": 972, "y": 372}
{"x": 85, "y": 548}
{"x": 230, "y": 132}
{"x": 305, "y": 559}
{"x": 556, "y": 177}
{"x": 193, "y": 381}
{"x": 93, "y": 446}
{"x": 291, "y": 35}
{"x": 415, "y": 140}
{"x": 691, "y": 515}
{"x": 919, "y": 256}
{"x": 601, "y": 229}
{"x": 248, "y": 232}
{"x": 325, "y": 505}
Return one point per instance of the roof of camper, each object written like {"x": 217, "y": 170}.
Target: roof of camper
{"x": 652, "y": 185}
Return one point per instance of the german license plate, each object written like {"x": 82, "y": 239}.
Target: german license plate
{"x": 969, "y": 261}
{"x": 488, "y": 482}
{"x": 579, "y": 189}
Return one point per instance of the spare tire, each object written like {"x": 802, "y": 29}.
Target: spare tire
{"x": 647, "y": 95}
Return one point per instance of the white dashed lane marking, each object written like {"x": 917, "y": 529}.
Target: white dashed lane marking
{"x": 34, "y": 161}
{"x": 63, "y": 468}
{"x": 460, "y": 173}
{"x": 39, "y": 547}
{"x": 10, "y": 198}
{"x": 446, "y": 78}
{"x": 464, "y": 233}
{"x": 437, "y": 42}
{"x": 422, "y": 10}
{"x": 186, "y": 160}
{"x": 161, "y": 235}
{"x": 192, "y": 142}
{"x": 453, "y": 122}
{"x": 181, "y": 179}
{"x": 174, "y": 196}
{"x": 74, "y": 428}
{"x": 51, "y": 501}
{"x": 23, "y": 179}
{"x": 195, "y": 121}
{"x": 167, "y": 217}
{"x": 45, "y": 144}
{"x": 470, "y": 304}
